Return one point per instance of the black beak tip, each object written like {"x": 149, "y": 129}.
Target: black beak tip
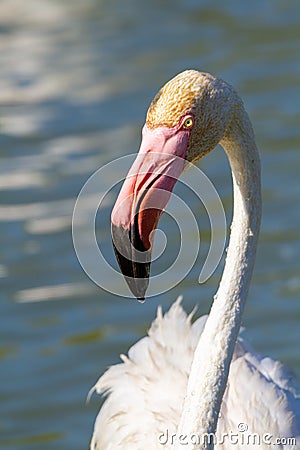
{"x": 138, "y": 286}
{"x": 135, "y": 268}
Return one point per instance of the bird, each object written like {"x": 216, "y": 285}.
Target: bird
{"x": 194, "y": 385}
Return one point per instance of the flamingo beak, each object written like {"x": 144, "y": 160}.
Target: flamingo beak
{"x": 143, "y": 196}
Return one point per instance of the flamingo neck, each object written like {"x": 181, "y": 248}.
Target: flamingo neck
{"x": 210, "y": 367}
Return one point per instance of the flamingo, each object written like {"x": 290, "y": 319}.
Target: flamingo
{"x": 194, "y": 385}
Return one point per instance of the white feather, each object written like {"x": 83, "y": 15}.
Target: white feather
{"x": 145, "y": 392}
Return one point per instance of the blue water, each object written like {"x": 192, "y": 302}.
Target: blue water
{"x": 75, "y": 82}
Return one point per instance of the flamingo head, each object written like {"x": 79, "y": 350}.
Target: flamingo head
{"x": 186, "y": 120}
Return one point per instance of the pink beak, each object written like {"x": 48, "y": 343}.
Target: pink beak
{"x": 141, "y": 201}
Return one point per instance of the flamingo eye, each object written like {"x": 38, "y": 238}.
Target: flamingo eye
{"x": 188, "y": 122}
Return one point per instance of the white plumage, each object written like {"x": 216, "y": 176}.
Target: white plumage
{"x": 146, "y": 392}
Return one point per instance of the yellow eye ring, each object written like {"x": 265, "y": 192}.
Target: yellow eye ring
{"x": 188, "y": 122}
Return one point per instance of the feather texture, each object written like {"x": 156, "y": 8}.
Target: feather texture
{"x": 145, "y": 393}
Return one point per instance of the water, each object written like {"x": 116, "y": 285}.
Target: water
{"x": 76, "y": 79}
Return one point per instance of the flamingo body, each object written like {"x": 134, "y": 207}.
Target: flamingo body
{"x": 145, "y": 393}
